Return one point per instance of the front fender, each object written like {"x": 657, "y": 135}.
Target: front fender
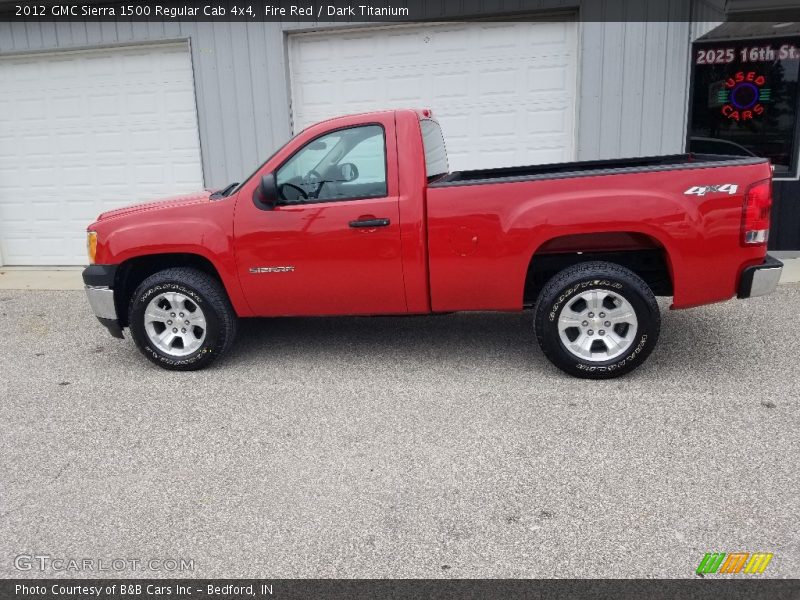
{"x": 202, "y": 229}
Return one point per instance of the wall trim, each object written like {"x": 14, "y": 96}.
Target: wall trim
{"x": 103, "y": 46}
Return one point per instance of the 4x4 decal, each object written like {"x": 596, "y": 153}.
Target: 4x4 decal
{"x": 702, "y": 190}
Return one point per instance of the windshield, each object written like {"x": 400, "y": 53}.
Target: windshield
{"x": 258, "y": 168}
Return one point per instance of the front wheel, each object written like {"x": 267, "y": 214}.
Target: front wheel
{"x": 597, "y": 320}
{"x": 181, "y": 319}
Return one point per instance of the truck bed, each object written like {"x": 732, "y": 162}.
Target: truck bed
{"x": 594, "y": 167}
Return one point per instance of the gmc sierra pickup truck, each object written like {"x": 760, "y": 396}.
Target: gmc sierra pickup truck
{"x": 359, "y": 215}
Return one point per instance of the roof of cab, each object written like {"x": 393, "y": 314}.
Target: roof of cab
{"x": 422, "y": 113}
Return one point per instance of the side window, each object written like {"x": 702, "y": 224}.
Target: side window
{"x": 342, "y": 165}
{"x": 304, "y": 161}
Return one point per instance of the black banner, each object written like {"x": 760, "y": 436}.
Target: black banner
{"x": 402, "y": 589}
{"x": 365, "y": 11}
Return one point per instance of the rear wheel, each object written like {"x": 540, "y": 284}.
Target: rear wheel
{"x": 181, "y": 319}
{"x": 597, "y": 320}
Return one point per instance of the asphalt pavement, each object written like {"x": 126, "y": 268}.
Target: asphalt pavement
{"x": 400, "y": 447}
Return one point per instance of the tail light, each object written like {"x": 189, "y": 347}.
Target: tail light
{"x": 755, "y": 214}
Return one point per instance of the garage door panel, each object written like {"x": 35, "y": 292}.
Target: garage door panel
{"x": 31, "y": 112}
{"x": 75, "y": 176}
{"x": 450, "y": 85}
{"x": 502, "y": 91}
{"x": 111, "y": 178}
{"x": 87, "y": 132}
{"x": 546, "y": 79}
{"x": 102, "y": 106}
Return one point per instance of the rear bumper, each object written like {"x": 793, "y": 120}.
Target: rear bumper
{"x": 760, "y": 280}
{"x": 98, "y": 281}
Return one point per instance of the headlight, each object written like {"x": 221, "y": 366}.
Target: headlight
{"x": 91, "y": 245}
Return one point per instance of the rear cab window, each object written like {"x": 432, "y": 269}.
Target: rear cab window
{"x": 435, "y": 152}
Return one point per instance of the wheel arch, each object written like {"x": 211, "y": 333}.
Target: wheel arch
{"x": 133, "y": 271}
{"x": 641, "y": 252}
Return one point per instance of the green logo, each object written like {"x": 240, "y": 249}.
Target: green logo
{"x": 719, "y": 562}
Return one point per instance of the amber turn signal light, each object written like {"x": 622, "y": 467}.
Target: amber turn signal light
{"x": 91, "y": 245}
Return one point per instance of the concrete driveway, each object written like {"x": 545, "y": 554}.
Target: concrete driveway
{"x": 400, "y": 447}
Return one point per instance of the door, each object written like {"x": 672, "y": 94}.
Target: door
{"x": 331, "y": 245}
{"x": 87, "y": 131}
{"x": 504, "y": 93}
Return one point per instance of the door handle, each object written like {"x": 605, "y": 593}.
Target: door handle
{"x": 370, "y": 223}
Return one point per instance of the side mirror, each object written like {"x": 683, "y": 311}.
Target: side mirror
{"x": 265, "y": 195}
{"x": 348, "y": 172}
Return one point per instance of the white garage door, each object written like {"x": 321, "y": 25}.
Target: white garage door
{"x": 504, "y": 93}
{"x": 83, "y": 132}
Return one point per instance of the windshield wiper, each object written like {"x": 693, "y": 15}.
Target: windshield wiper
{"x": 224, "y": 192}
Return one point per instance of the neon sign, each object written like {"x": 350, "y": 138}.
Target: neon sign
{"x": 743, "y": 95}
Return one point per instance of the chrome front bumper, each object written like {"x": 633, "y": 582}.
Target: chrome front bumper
{"x": 762, "y": 279}
{"x": 98, "y": 281}
{"x": 101, "y": 299}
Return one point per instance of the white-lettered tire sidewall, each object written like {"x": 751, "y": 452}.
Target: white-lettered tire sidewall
{"x": 199, "y": 356}
{"x": 642, "y": 345}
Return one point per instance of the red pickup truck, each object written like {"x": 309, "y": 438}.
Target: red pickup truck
{"x": 359, "y": 215}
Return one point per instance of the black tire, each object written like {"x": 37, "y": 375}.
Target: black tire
{"x": 203, "y": 291}
{"x": 564, "y": 290}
